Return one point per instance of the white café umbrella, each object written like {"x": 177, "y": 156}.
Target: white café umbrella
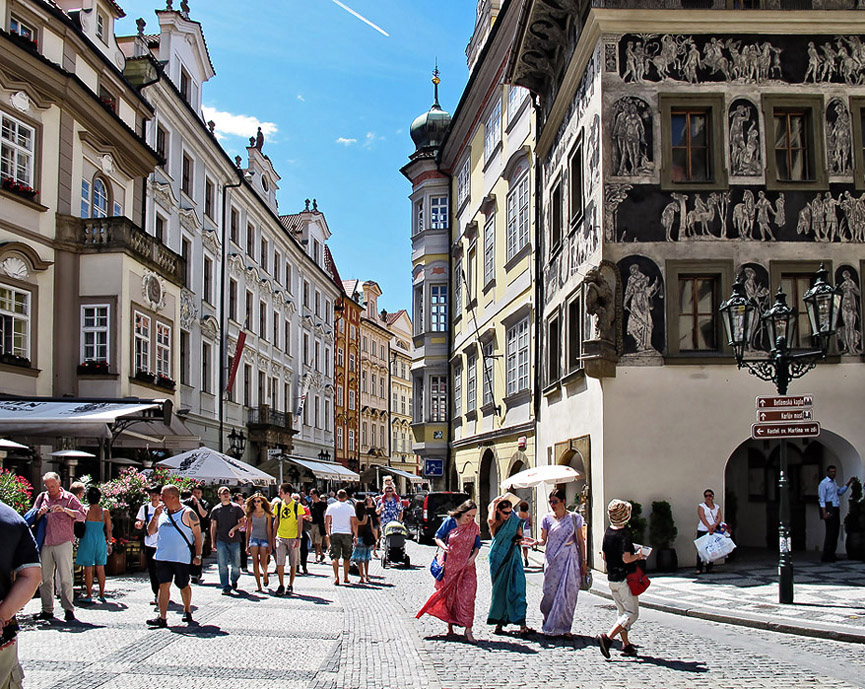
{"x": 551, "y": 473}
{"x": 73, "y": 454}
{"x": 213, "y": 467}
{"x": 11, "y": 445}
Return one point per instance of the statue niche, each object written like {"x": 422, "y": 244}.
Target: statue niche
{"x": 632, "y": 148}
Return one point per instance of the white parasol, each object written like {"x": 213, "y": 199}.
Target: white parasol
{"x": 213, "y": 467}
{"x": 73, "y": 454}
{"x": 551, "y": 473}
{"x": 11, "y": 445}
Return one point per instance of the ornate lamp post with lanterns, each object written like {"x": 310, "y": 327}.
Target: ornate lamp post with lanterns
{"x": 740, "y": 316}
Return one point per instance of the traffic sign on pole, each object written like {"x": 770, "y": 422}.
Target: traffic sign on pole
{"x": 784, "y": 401}
{"x": 770, "y": 415}
{"x": 766, "y": 431}
{"x": 433, "y": 467}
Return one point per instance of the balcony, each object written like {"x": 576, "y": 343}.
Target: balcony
{"x": 269, "y": 428}
{"x": 119, "y": 235}
{"x": 265, "y": 416}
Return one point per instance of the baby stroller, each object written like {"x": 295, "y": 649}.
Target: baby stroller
{"x": 393, "y": 550}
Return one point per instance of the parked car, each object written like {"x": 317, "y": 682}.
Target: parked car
{"x": 429, "y": 510}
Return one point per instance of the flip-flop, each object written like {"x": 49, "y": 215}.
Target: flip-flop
{"x": 527, "y": 632}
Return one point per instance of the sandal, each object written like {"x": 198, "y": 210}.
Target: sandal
{"x": 526, "y": 632}
{"x": 471, "y": 639}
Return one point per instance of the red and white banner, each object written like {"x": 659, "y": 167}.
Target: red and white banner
{"x": 235, "y": 362}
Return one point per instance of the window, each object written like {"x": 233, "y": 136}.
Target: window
{"x": 574, "y": 340}
{"x": 516, "y": 97}
{"x": 554, "y": 349}
{"x": 381, "y": 387}
{"x": 275, "y": 331}
{"x": 794, "y": 285}
{"x": 340, "y": 396}
{"x": 316, "y": 252}
{"x": 556, "y": 211}
{"x": 263, "y": 260}
{"x": 185, "y": 85}
{"x": 305, "y": 356}
{"x": 262, "y": 320}
{"x": 458, "y": 286}
{"x": 250, "y": 239}
{"x": 316, "y": 416}
{"x": 327, "y": 415}
{"x": 99, "y": 205}
{"x": 95, "y": 333}
{"x": 351, "y": 440}
{"x": 186, "y": 176}
{"x": 488, "y": 382}
{"x": 286, "y": 337}
{"x": 232, "y": 299}
{"x": 17, "y": 27}
{"x": 209, "y": 193}
{"x": 439, "y": 212}
{"x": 340, "y": 356}
{"x": 351, "y": 363}
{"x": 288, "y": 285}
{"x": 161, "y": 142}
{"x": 247, "y": 385}
{"x": 493, "y": 130}
{"x": 159, "y": 228}
{"x": 417, "y": 404}
{"x": 697, "y": 313}
{"x": 364, "y": 343}
{"x": 792, "y": 157}
{"x": 186, "y": 255}
{"x": 339, "y": 444}
{"x": 363, "y": 433}
{"x": 464, "y": 181}
{"x": 575, "y": 178}
{"x": 16, "y": 151}
{"x": 247, "y": 316}
{"x": 316, "y": 359}
{"x": 306, "y": 294}
{"x": 458, "y": 390}
{"x": 517, "y": 233}
{"x": 328, "y": 310}
{"x": 85, "y": 197}
{"x": 117, "y": 210}
{"x": 418, "y": 311}
{"x": 327, "y": 360}
{"x": 317, "y": 303}
{"x": 490, "y": 249}
{"x": 207, "y": 294}
{"x": 141, "y": 356}
{"x": 418, "y": 217}
{"x": 14, "y": 321}
{"x": 262, "y": 398}
{"x": 352, "y": 396}
{"x": 184, "y": 357}
{"x": 470, "y": 274}
{"x": 100, "y": 26}
{"x": 163, "y": 350}
{"x": 471, "y": 382}
{"x": 517, "y": 357}
{"x": 438, "y": 308}
{"x": 692, "y": 132}
{"x": 277, "y": 266}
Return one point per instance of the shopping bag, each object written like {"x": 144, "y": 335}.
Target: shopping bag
{"x": 437, "y": 567}
{"x": 714, "y": 546}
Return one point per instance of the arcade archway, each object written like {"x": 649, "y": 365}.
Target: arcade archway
{"x": 489, "y": 488}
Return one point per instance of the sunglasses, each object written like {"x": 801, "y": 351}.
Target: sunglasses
{"x": 554, "y": 501}
{"x": 708, "y": 495}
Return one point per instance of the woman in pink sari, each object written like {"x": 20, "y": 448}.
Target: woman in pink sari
{"x": 453, "y": 601}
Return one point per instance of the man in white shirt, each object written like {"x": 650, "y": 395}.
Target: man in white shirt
{"x": 142, "y": 519}
{"x": 829, "y": 496}
{"x": 337, "y": 523}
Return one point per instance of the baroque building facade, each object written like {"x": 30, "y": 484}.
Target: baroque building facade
{"x": 672, "y": 162}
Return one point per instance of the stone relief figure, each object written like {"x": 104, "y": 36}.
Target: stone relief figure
{"x": 632, "y": 152}
{"x": 638, "y": 302}
{"x": 743, "y": 215}
{"x": 838, "y": 138}
{"x": 763, "y": 206}
{"x": 820, "y": 218}
{"x": 614, "y": 194}
{"x": 702, "y": 214}
{"x": 849, "y": 337}
{"x": 744, "y": 140}
{"x": 759, "y": 292}
{"x": 600, "y": 303}
{"x": 692, "y": 63}
{"x": 813, "y": 70}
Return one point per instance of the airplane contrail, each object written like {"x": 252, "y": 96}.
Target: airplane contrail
{"x": 361, "y": 17}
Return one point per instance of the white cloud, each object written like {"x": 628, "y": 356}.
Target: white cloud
{"x": 229, "y": 124}
{"x": 301, "y": 98}
{"x": 346, "y": 142}
{"x": 370, "y": 139}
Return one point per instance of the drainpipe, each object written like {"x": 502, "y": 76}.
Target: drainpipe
{"x": 539, "y": 276}
{"x": 223, "y": 321}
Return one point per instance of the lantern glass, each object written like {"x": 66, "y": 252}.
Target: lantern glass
{"x": 824, "y": 306}
{"x": 780, "y": 320}
{"x": 737, "y": 314}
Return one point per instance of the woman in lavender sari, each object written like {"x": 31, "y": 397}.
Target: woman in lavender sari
{"x": 564, "y": 566}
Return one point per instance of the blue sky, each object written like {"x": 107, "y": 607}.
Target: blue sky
{"x": 340, "y": 97}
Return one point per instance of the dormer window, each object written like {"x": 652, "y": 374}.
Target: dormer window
{"x": 264, "y": 183}
{"x": 25, "y": 33}
{"x": 185, "y": 85}
{"x": 101, "y": 24}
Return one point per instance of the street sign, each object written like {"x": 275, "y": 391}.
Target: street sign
{"x": 770, "y": 415}
{"x": 274, "y": 452}
{"x": 784, "y": 401}
{"x": 766, "y": 431}
{"x": 434, "y": 467}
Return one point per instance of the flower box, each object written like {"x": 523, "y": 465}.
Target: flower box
{"x": 145, "y": 377}
{"x": 17, "y": 188}
{"x": 93, "y": 368}
{"x": 165, "y": 382}
{"x": 14, "y": 360}
{"x": 24, "y": 41}
{"x": 116, "y": 563}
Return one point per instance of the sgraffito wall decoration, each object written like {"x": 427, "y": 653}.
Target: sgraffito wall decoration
{"x": 850, "y": 320}
{"x": 643, "y": 306}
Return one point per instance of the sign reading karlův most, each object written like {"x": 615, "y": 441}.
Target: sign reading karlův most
{"x": 776, "y": 415}
{"x": 784, "y": 416}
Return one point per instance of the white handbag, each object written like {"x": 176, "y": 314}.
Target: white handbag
{"x": 714, "y": 546}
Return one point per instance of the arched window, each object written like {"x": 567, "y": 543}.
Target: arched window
{"x": 99, "y": 207}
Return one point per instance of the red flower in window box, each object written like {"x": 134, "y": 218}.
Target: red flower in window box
{"x": 23, "y": 190}
{"x": 93, "y": 367}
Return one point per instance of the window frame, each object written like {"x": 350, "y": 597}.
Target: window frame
{"x": 557, "y": 216}
{"x": 514, "y": 355}
{"x": 490, "y": 250}
{"x": 779, "y": 270}
{"x": 438, "y": 310}
{"x": 814, "y": 105}
{"x": 438, "y": 217}
{"x": 464, "y": 181}
{"x": 553, "y": 348}
{"x": 141, "y": 342}
{"x": 187, "y": 174}
{"x": 20, "y": 149}
{"x": 517, "y": 216}
{"x": 856, "y": 107}
{"x": 576, "y": 154}
{"x": 573, "y": 322}
{"x": 457, "y": 389}
{"x": 471, "y": 382}
{"x": 13, "y": 316}
{"x": 493, "y": 129}
{"x": 106, "y": 329}
{"x": 713, "y": 104}
{"x": 724, "y": 271}
{"x": 163, "y": 349}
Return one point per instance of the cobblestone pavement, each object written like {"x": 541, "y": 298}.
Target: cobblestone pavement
{"x": 326, "y": 637}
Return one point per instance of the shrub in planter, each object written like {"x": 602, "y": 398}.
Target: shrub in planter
{"x": 165, "y": 382}
{"x": 637, "y": 525}
{"x": 145, "y": 377}
{"x": 14, "y": 360}
{"x": 854, "y": 522}
{"x": 662, "y": 535}
{"x": 93, "y": 368}
{"x": 15, "y": 491}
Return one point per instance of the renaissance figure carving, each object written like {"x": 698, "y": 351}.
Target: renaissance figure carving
{"x": 614, "y": 194}
{"x": 631, "y": 152}
{"x": 744, "y": 141}
{"x": 838, "y": 138}
{"x": 820, "y": 218}
{"x": 760, "y": 294}
{"x": 600, "y": 303}
{"x": 638, "y": 302}
{"x": 849, "y": 337}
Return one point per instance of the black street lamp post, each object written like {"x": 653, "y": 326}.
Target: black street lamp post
{"x": 237, "y": 444}
{"x": 740, "y": 315}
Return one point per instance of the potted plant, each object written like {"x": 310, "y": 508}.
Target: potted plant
{"x": 92, "y": 367}
{"x": 18, "y": 188}
{"x": 165, "y": 382}
{"x": 145, "y": 377}
{"x": 116, "y": 563}
{"x": 662, "y": 535}
{"x": 14, "y": 360}
{"x": 15, "y": 491}
{"x": 637, "y": 524}
{"x": 854, "y": 522}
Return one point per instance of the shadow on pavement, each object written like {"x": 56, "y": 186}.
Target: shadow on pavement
{"x": 577, "y": 641}
{"x": 677, "y": 665}
{"x": 102, "y": 606}
{"x": 858, "y": 608}
{"x": 204, "y": 630}
{"x": 316, "y": 600}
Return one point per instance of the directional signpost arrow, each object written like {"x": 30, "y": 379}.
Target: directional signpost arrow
{"x": 781, "y": 415}
{"x": 766, "y": 431}
{"x": 784, "y": 401}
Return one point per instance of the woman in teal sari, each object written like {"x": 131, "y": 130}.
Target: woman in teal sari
{"x": 508, "y": 604}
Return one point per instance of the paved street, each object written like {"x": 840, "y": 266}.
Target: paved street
{"x": 333, "y": 638}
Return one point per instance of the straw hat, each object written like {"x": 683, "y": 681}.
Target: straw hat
{"x": 619, "y": 512}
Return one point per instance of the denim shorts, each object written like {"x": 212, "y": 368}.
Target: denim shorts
{"x": 259, "y": 543}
